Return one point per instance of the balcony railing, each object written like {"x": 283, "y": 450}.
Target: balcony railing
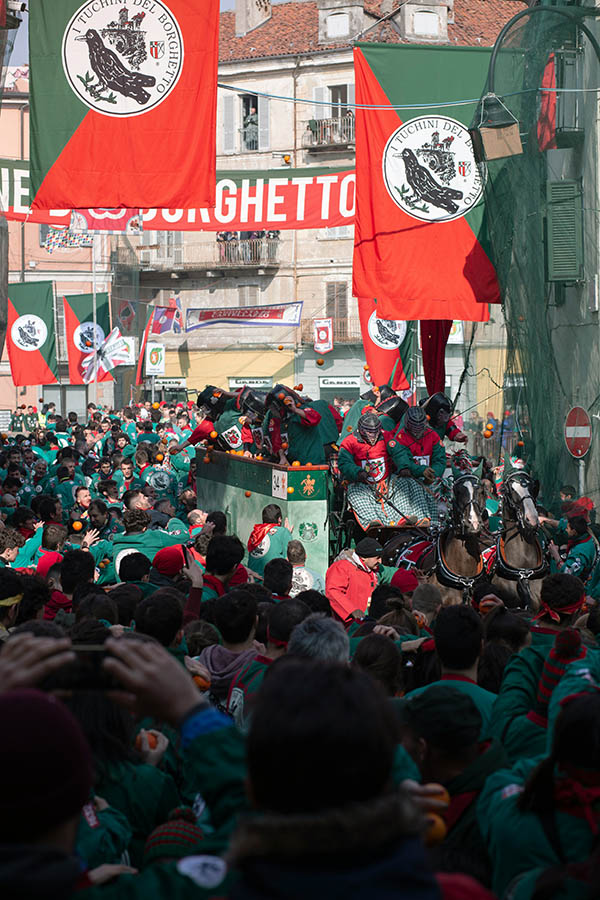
{"x": 218, "y": 254}
{"x": 345, "y": 330}
{"x": 324, "y": 134}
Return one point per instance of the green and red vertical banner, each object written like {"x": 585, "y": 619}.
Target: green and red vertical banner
{"x": 388, "y": 345}
{"x": 123, "y": 103}
{"x": 30, "y": 335}
{"x": 139, "y": 376}
{"x": 80, "y": 331}
{"x": 419, "y": 191}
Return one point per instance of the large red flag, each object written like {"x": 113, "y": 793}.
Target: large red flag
{"x": 415, "y": 250}
{"x": 123, "y": 103}
{"x": 30, "y": 334}
{"x": 79, "y": 332}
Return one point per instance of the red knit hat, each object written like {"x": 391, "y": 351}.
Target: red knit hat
{"x": 46, "y": 561}
{"x": 169, "y": 560}
{"x": 405, "y": 580}
{"x": 177, "y": 838}
{"x": 567, "y": 648}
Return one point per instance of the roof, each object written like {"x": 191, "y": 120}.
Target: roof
{"x": 294, "y": 29}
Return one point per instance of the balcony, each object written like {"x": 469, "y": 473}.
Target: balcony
{"x": 329, "y": 134}
{"x": 345, "y": 330}
{"x": 227, "y": 253}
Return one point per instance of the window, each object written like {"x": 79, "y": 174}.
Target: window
{"x": 339, "y": 95}
{"x": 247, "y": 294}
{"x": 249, "y": 121}
{"x": 246, "y": 123}
{"x": 335, "y": 234}
{"x": 336, "y": 307}
{"x": 426, "y": 22}
{"x": 338, "y": 25}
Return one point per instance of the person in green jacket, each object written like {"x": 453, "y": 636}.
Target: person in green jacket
{"x": 439, "y": 411}
{"x": 366, "y": 402}
{"x": 458, "y": 636}
{"x": 540, "y": 820}
{"x": 307, "y": 428}
{"x": 581, "y": 550}
{"x": 138, "y": 537}
{"x": 440, "y": 729}
{"x": 268, "y": 540}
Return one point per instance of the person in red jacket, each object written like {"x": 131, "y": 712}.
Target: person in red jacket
{"x": 352, "y": 578}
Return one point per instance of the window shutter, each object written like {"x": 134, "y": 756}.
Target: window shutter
{"x": 263, "y": 123}
{"x": 320, "y": 112}
{"x": 564, "y": 236}
{"x": 350, "y": 89}
{"x": 330, "y": 300}
{"x": 228, "y": 123}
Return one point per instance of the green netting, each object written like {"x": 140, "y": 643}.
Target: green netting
{"x": 553, "y": 337}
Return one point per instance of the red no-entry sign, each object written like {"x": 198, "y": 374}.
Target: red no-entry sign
{"x": 578, "y": 432}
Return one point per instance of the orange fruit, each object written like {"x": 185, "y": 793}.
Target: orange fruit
{"x": 320, "y": 362}
{"x": 487, "y": 433}
{"x": 248, "y": 493}
{"x": 206, "y": 459}
{"x": 152, "y": 741}
{"x": 77, "y": 525}
{"x": 284, "y": 445}
{"x": 156, "y": 406}
{"x": 280, "y": 347}
{"x": 520, "y": 443}
{"x": 201, "y": 682}
{"x": 216, "y": 393}
{"x": 436, "y": 830}
{"x": 300, "y": 387}
{"x": 281, "y": 396}
{"x": 296, "y": 463}
{"x": 489, "y": 426}
{"x": 366, "y": 368}
{"x": 348, "y": 427}
{"x": 214, "y": 434}
{"x": 290, "y": 490}
{"x": 159, "y": 457}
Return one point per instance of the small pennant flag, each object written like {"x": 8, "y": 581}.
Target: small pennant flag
{"x": 323, "y": 335}
{"x": 168, "y": 318}
{"x": 65, "y": 239}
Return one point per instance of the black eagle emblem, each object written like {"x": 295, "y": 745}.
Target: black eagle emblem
{"x": 425, "y": 187}
{"x": 111, "y": 73}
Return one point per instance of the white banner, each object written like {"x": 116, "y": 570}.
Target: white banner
{"x": 155, "y": 359}
{"x": 323, "y": 330}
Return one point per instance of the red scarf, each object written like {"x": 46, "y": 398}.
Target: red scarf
{"x": 259, "y": 532}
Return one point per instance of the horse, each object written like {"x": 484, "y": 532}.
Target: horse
{"x": 449, "y": 557}
{"x": 520, "y": 562}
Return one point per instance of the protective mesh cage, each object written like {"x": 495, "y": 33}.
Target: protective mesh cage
{"x": 543, "y": 234}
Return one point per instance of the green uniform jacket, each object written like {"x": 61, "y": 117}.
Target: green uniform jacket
{"x": 307, "y": 442}
{"x": 483, "y": 700}
{"x": 517, "y": 842}
{"x": 580, "y": 559}
{"x": 103, "y": 836}
{"x": 229, "y": 429}
{"x": 520, "y": 736}
{"x": 273, "y": 546}
{"x": 144, "y": 794}
{"x": 403, "y": 459}
{"x": 146, "y": 542}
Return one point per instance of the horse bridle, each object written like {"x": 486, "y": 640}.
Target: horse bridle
{"x": 516, "y": 508}
{"x": 458, "y": 515}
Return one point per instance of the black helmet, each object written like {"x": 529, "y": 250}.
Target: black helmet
{"x": 369, "y": 396}
{"x": 415, "y": 421}
{"x": 212, "y": 400}
{"x": 277, "y": 396}
{"x": 369, "y": 427}
{"x": 436, "y": 404}
{"x": 395, "y": 408}
{"x": 385, "y": 392}
{"x": 253, "y": 403}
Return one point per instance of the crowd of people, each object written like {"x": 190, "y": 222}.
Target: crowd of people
{"x": 192, "y": 712}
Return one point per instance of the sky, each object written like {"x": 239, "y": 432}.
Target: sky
{"x": 20, "y": 52}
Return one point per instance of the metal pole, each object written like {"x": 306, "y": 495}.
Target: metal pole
{"x": 581, "y": 474}
{"x": 153, "y": 383}
{"x": 94, "y": 320}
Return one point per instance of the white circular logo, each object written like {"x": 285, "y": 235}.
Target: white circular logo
{"x": 121, "y": 62}
{"x": 29, "y": 333}
{"x": 83, "y": 337}
{"x": 387, "y": 334}
{"x": 430, "y": 171}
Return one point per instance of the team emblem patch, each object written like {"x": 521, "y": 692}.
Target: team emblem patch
{"x": 120, "y": 64}
{"x": 29, "y": 333}
{"x": 308, "y": 532}
{"x": 83, "y": 336}
{"x": 233, "y": 436}
{"x": 387, "y": 334}
{"x": 430, "y": 171}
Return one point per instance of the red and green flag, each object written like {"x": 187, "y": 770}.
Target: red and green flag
{"x": 30, "y": 335}
{"x": 419, "y": 192}
{"x": 389, "y": 346}
{"x": 123, "y": 103}
{"x": 79, "y": 331}
{"x": 139, "y": 375}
